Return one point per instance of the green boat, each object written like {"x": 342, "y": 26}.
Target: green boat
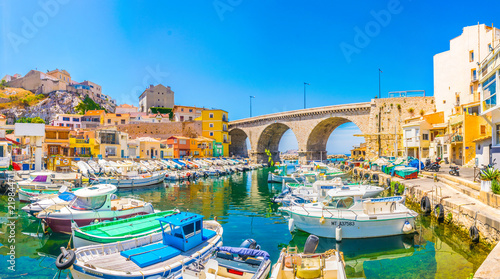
{"x": 120, "y": 230}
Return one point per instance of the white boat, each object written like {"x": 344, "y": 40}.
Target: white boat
{"x": 344, "y": 214}
{"x": 41, "y": 183}
{"x": 45, "y": 201}
{"x": 185, "y": 239}
{"x": 91, "y": 204}
{"x": 319, "y": 190}
{"x": 246, "y": 261}
{"x": 132, "y": 180}
{"x": 309, "y": 264}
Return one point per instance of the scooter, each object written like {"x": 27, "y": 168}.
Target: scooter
{"x": 454, "y": 170}
{"x": 432, "y": 166}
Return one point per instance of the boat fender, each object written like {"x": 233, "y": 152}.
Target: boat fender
{"x": 338, "y": 234}
{"x": 425, "y": 205}
{"x": 64, "y": 262}
{"x": 322, "y": 220}
{"x": 393, "y": 207}
{"x": 439, "y": 212}
{"x": 388, "y": 182}
{"x": 291, "y": 225}
{"x": 407, "y": 227}
{"x": 474, "y": 234}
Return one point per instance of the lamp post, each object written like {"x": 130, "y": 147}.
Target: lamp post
{"x": 379, "y": 71}
{"x": 251, "y": 97}
{"x": 305, "y": 83}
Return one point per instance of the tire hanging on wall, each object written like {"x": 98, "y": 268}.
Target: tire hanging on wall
{"x": 375, "y": 177}
{"x": 474, "y": 234}
{"x": 439, "y": 212}
{"x": 425, "y": 205}
{"x": 388, "y": 182}
{"x": 367, "y": 176}
{"x": 355, "y": 172}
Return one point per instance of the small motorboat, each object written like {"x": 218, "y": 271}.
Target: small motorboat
{"x": 45, "y": 201}
{"x": 92, "y": 204}
{"x": 246, "y": 261}
{"x": 309, "y": 264}
{"x": 186, "y": 239}
{"x": 345, "y": 214}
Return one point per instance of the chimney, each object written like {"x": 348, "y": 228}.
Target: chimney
{"x": 151, "y": 86}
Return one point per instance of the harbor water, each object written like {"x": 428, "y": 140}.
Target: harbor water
{"x": 241, "y": 202}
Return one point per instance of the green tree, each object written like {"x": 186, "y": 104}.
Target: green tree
{"x": 3, "y": 84}
{"x": 86, "y": 105}
{"x": 37, "y": 120}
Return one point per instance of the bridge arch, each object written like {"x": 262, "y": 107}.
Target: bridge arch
{"x": 319, "y": 135}
{"x": 270, "y": 139}
{"x": 238, "y": 146}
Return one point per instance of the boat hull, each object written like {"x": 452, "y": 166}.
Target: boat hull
{"x": 63, "y": 225}
{"x": 133, "y": 182}
{"x": 351, "y": 228}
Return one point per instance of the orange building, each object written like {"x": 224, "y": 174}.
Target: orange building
{"x": 56, "y": 141}
{"x": 180, "y": 146}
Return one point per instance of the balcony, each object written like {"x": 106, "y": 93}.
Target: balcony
{"x": 457, "y": 139}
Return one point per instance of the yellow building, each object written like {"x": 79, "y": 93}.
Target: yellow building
{"x": 165, "y": 150}
{"x": 93, "y": 119}
{"x": 61, "y": 75}
{"x": 116, "y": 119}
{"x": 149, "y": 148}
{"x": 83, "y": 144}
{"x": 215, "y": 126}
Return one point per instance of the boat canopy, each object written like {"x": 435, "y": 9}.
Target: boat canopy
{"x": 244, "y": 252}
{"x": 96, "y": 190}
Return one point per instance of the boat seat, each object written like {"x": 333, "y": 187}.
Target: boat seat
{"x": 150, "y": 254}
{"x": 253, "y": 261}
{"x": 225, "y": 255}
{"x": 207, "y": 234}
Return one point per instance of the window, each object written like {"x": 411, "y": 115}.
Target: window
{"x": 472, "y": 89}
{"x": 211, "y": 125}
{"x": 473, "y": 74}
{"x": 483, "y": 129}
{"x": 175, "y": 140}
{"x": 65, "y": 118}
{"x": 190, "y": 110}
{"x": 76, "y": 119}
{"x": 211, "y": 115}
{"x": 211, "y": 134}
{"x": 122, "y": 121}
{"x": 109, "y": 121}
{"x": 498, "y": 134}
{"x": 425, "y": 136}
{"x": 190, "y": 118}
{"x": 489, "y": 92}
{"x": 182, "y": 141}
{"x": 147, "y": 152}
{"x": 471, "y": 56}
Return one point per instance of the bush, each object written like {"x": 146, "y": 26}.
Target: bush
{"x": 86, "y": 105}
{"x": 398, "y": 106}
{"x": 422, "y": 112}
{"x": 411, "y": 110}
{"x": 495, "y": 186}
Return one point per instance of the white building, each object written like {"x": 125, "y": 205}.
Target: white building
{"x": 74, "y": 121}
{"x": 186, "y": 113}
{"x": 489, "y": 85}
{"x": 456, "y": 70}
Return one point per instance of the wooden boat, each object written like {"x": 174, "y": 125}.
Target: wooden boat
{"x": 45, "y": 201}
{"x": 40, "y": 183}
{"x": 95, "y": 203}
{"x": 186, "y": 239}
{"x": 246, "y": 261}
{"x": 309, "y": 264}
{"x": 132, "y": 181}
{"x": 119, "y": 230}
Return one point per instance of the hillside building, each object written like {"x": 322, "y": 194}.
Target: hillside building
{"x": 156, "y": 96}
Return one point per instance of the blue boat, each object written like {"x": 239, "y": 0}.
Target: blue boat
{"x": 185, "y": 239}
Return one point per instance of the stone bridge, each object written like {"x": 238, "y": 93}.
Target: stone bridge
{"x": 312, "y": 128}
{"x": 379, "y": 120}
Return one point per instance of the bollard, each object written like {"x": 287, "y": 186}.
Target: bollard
{"x": 435, "y": 177}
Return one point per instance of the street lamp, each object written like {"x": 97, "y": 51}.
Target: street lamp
{"x": 379, "y": 71}
{"x": 305, "y": 83}
{"x": 251, "y": 97}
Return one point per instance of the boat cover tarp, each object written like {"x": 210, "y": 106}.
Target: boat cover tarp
{"x": 66, "y": 196}
{"x": 150, "y": 254}
{"x": 244, "y": 251}
{"x": 414, "y": 163}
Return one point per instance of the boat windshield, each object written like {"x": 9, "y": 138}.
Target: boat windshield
{"x": 339, "y": 202}
{"x": 88, "y": 203}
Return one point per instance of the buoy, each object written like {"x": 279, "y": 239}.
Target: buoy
{"x": 291, "y": 225}
{"x": 407, "y": 227}
{"x": 322, "y": 220}
{"x": 338, "y": 234}
{"x": 439, "y": 212}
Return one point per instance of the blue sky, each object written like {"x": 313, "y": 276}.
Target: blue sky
{"x": 218, "y": 53}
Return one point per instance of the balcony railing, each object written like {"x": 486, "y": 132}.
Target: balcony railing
{"x": 457, "y": 138}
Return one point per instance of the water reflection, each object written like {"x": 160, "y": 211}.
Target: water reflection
{"x": 242, "y": 204}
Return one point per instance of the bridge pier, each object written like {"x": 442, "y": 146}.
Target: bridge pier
{"x": 315, "y": 155}
{"x": 262, "y": 157}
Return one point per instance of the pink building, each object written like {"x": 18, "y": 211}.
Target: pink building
{"x": 73, "y": 121}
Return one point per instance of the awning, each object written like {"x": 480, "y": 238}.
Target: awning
{"x": 482, "y": 138}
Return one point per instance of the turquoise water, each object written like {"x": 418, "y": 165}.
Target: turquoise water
{"x": 242, "y": 204}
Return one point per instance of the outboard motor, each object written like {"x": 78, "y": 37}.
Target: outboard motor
{"x": 311, "y": 244}
{"x": 249, "y": 243}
